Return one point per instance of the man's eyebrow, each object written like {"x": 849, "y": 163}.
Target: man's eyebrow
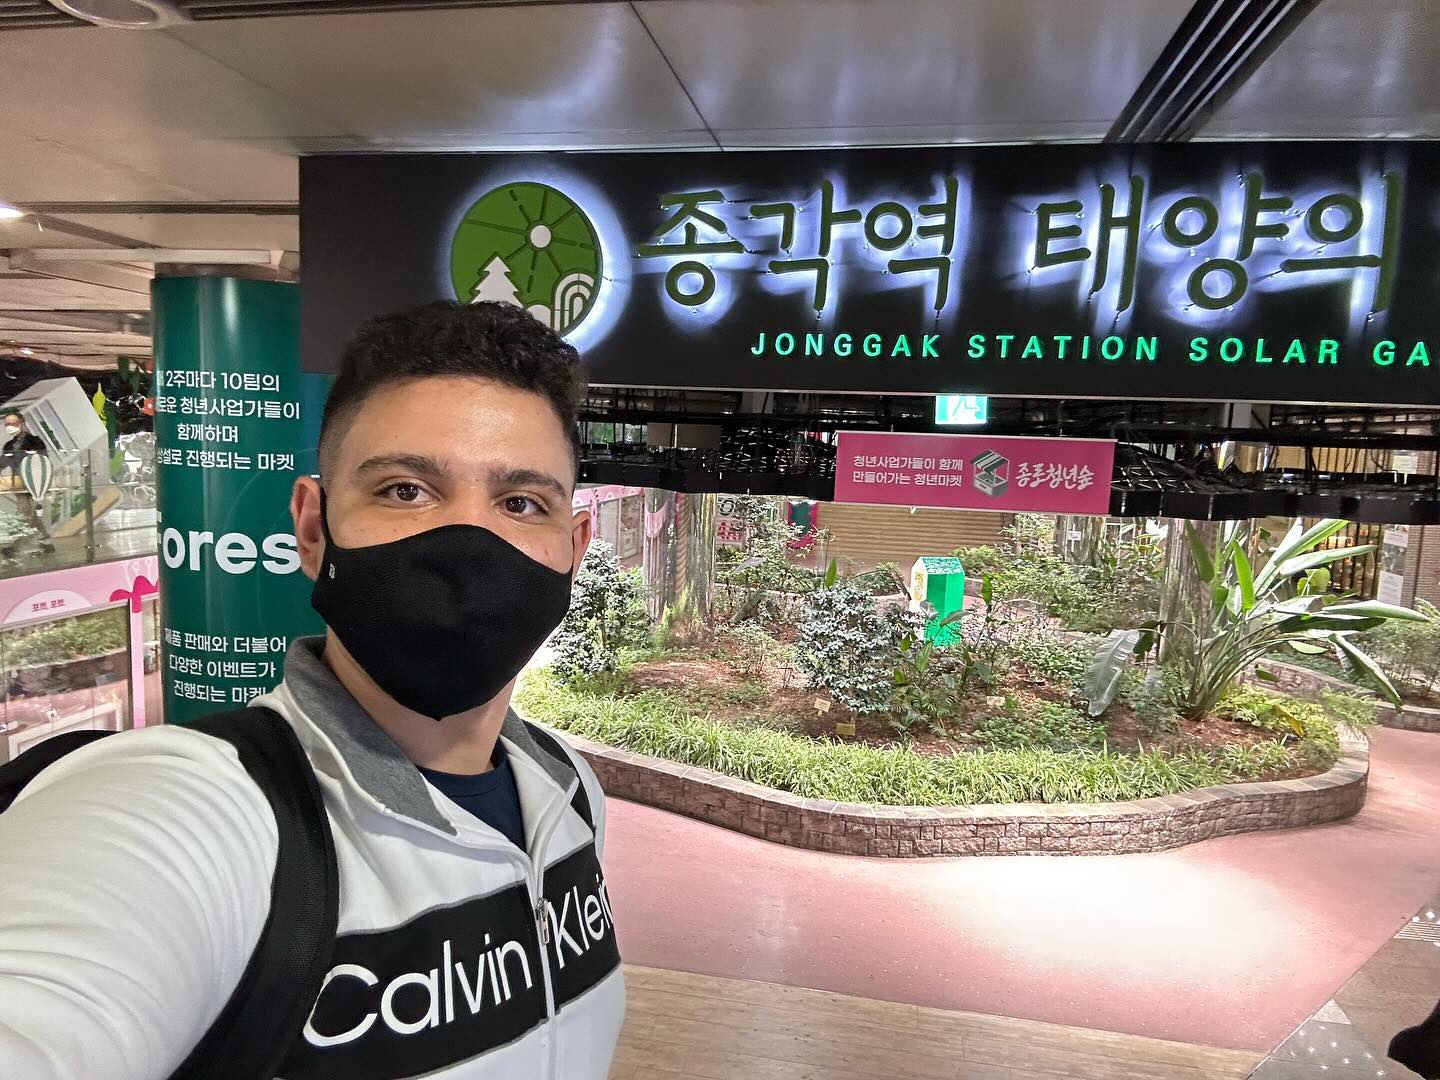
{"x": 420, "y": 464}
{"x": 528, "y": 478}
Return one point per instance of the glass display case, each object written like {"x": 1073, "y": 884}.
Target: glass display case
{"x": 64, "y": 674}
{"x": 82, "y": 503}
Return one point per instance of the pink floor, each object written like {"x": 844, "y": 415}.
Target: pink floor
{"x": 1233, "y": 942}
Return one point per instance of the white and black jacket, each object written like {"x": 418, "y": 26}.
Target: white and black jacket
{"x": 134, "y": 883}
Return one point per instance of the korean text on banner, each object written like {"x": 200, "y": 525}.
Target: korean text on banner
{"x": 975, "y": 472}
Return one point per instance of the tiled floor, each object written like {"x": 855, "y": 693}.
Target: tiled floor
{"x": 1396, "y": 989}
{"x": 1233, "y": 942}
{"x": 695, "y": 1027}
{"x": 1327, "y": 1051}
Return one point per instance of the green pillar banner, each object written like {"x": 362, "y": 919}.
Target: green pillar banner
{"x": 230, "y": 438}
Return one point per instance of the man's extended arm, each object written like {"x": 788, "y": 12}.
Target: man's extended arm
{"x": 134, "y": 883}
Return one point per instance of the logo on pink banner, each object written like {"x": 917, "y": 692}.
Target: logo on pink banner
{"x": 975, "y": 472}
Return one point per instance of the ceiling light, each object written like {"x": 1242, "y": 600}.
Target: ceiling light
{"x": 27, "y": 352}
{"x": 9, "y": 212}
{"x": 125, "y": 14}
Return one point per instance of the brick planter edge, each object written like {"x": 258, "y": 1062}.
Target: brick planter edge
{"x": 1013, "y": 829}
{"x": 1303, "y": 682}
{"x": 1409, "y": 718}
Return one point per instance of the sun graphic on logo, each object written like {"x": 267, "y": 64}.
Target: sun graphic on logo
{"x": 529, "y": 245}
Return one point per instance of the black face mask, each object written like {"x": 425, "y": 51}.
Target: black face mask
{"x": 441, "y": 620}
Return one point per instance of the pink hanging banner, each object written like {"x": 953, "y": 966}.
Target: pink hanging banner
{"x": 975, "y": 472}
{"x": 588, "y": 498}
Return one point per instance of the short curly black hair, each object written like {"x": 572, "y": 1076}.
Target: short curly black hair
{"x": 444, "y": 338}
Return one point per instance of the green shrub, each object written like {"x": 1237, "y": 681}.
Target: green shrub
{"x": 14, "y": 529}
{"x": 750, "y": 649}
{"x": 1308, "y": 729}
{"x": 1049, "y": 581}
{"x": 94, "y": 634}
{"x": 931, "y": 681}
{"x": 850, "y": 647}
{"x": 1045, "y": 656}
{"x": 1254, "y": 762}
{"x": 1267, "y": 710}
{"x": 1151, "y": 695}
{"x": 1121, "y": 590}
{"x": 1247, "y": 614}
{"x": 1040, "y": 725}
{"x": 928, "y": 682}
{"x": 885, "y": 580}
{"x": 1409, "y": 651}
{"x": 1029, "y": 533}
{"x": 755, "y": 578}
{"x": 662, "y": 725}
{"x": 1355, "y": 711}
{"x": 1126, "y": 581}
{"x": 607, "y": 614}
{"x": 982, "y": 560}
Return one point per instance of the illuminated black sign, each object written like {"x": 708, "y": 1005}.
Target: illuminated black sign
{"x": 1252, "y": 272}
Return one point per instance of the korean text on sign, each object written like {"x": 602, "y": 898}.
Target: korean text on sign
{"x": 1053, "y": 474}
{"x": 888, "y": 227}
{"x": 1328, "y": 234}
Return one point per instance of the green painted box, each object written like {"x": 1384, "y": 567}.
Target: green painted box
{"x": 939, "y": 580}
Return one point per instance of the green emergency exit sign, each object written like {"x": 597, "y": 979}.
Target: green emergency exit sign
{"x": 961, "y": 410}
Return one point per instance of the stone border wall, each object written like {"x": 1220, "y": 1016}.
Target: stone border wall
{"x": 1305, "y": 683}
{"x": 1018, "y": 829}
{"x": 1409, "y": 717}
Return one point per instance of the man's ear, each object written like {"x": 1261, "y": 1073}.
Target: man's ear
{"x": 581, "y": 528}
{"x": 307, "y": 512}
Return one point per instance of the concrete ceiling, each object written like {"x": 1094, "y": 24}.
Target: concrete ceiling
{"x": 156, "y": 138}
{"x": 1355, "y": 69}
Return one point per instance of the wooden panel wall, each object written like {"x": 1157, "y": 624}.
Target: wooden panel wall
{"x": 871, "y": 535}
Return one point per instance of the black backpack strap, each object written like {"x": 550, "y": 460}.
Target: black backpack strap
{"x": 14, "y": 775}
{"x": 258, "y": 1026}
{"x": 551, "y": 745}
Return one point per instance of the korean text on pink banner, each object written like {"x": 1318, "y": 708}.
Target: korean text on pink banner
{"x": 975, "y": 472}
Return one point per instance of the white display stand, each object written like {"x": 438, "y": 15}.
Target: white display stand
{"x": 105, "y": 717}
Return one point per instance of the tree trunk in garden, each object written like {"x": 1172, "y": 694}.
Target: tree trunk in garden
{"x": 1092, "y": 532}
{"x": 1061, "y": 541}
{"x": 659, "y": 561}
{"x": 1176, "y": 559}
{"x": 700, "y": 554}
{"x": 1084, "y": 549}
{"x": 1184, "y": 598}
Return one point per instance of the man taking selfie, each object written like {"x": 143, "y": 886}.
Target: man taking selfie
{"x": 452, "y": 919}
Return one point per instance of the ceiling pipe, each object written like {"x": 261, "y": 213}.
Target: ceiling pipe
{"x": 148, "y": 255}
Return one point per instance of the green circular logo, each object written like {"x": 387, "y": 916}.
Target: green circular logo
{"x": 529, "y": 245}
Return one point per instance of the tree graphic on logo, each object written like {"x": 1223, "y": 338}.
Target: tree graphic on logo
{"x": 529, "y": 245}
{"x": 497, "y": 285}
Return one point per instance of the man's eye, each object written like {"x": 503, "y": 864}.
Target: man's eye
{"x": 521, "y": 504}
{"x": 406, "y": 492}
